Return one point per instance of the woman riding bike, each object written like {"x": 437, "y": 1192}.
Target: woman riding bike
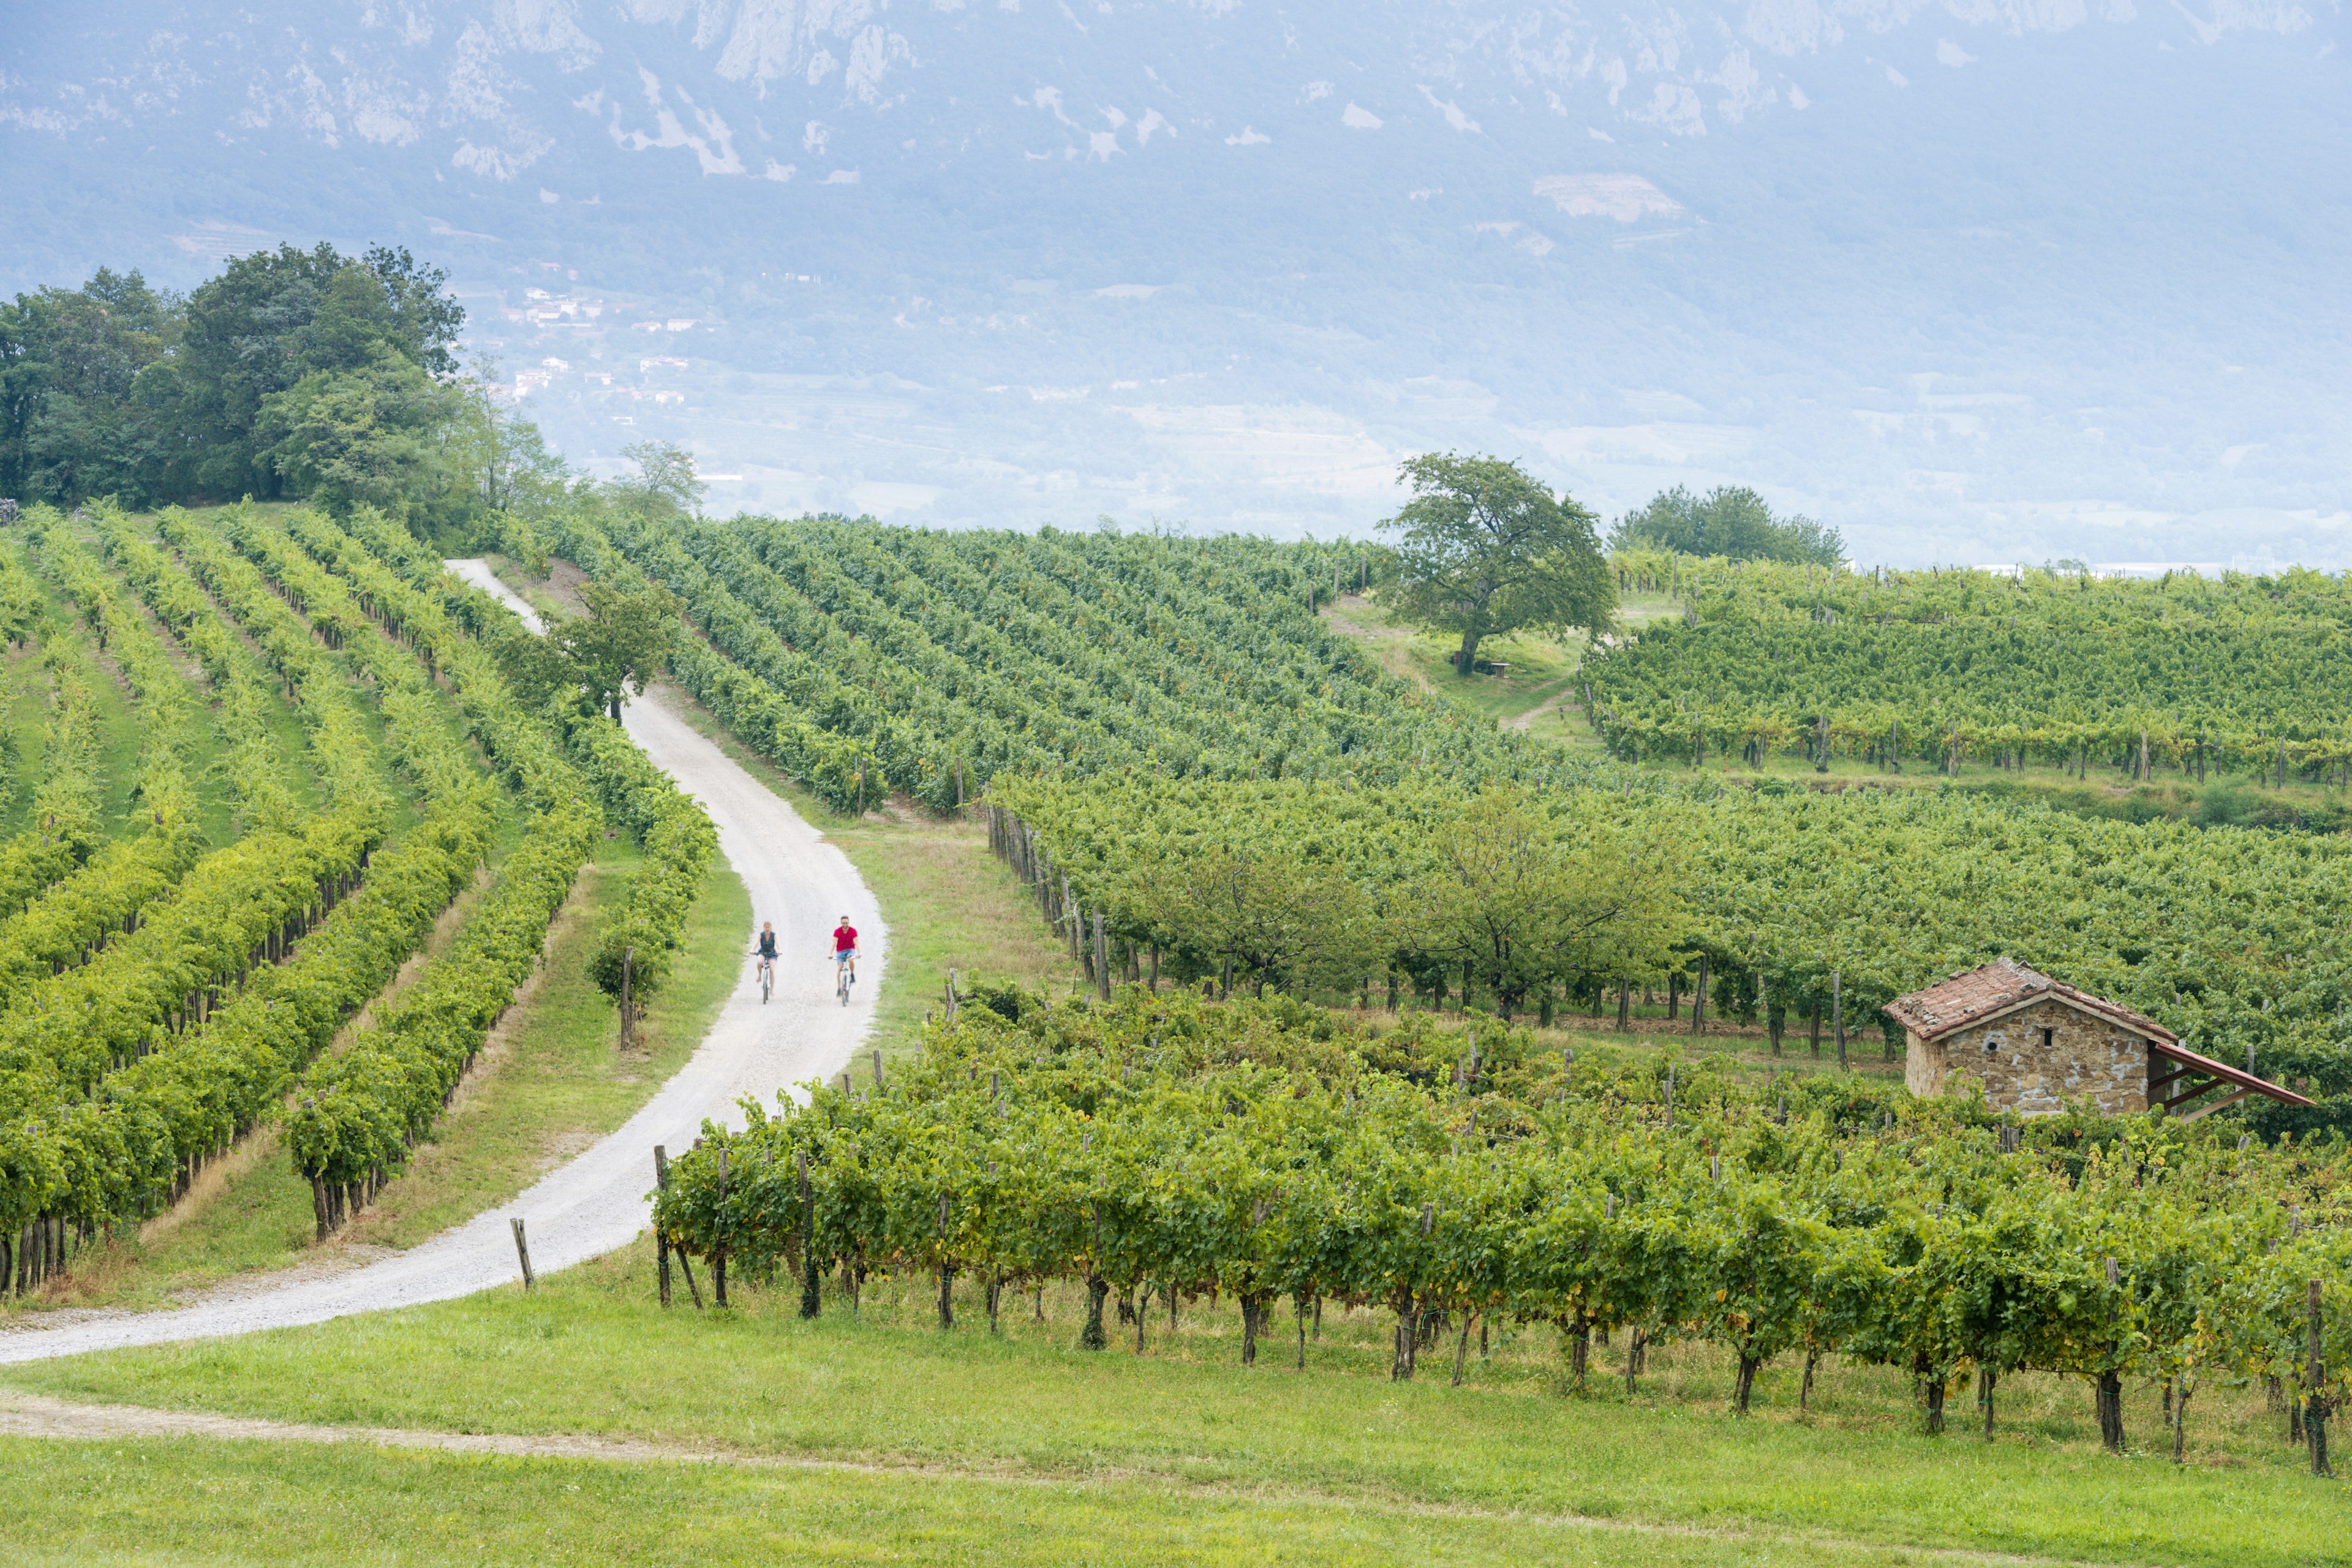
{"x": 766, "y": 953}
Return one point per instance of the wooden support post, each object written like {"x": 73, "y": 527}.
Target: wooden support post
{"x": 1102, "y": 957}
{"x": 522, "y": 1251}
{"x": 661, "y": 1245}
{"x": 2315, "y": 1372}
{"x": 718, "y": 1253}
{"x": 810, "y": 1296}
{"x": 1837, "y": 1008}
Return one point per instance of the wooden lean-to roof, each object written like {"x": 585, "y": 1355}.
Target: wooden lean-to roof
{"x": 1989, "y": 992}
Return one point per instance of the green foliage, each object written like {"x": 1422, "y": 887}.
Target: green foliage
{"x": 666, "y": 480}
{"x": 290, "y": 371}
{"x": 648, "y": 922}
{"x": 2244, "y": 675}
{"x": 862, "y": 659}
{"x": 64, "y": 826}
{"x": 621, "y": 643}
{"x": 2224, "y": 935}
{"x": 366, "y": 436}
{"x": 1166, "y": 1143}
{"x": 361, "y": 1112}
{"x": 1733, "y": 523}
{"x": 74, "y": 419}
{"x": 372, "y": 1104}
{"x": 1483, "y": 549}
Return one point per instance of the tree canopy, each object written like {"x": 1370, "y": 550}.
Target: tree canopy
{"x": 291, "y": 373}
{"x": 1732, "y": 522}
{"x": 1485, "y": 549}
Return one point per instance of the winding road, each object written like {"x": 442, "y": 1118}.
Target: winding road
{"x": 597, "y": 1202}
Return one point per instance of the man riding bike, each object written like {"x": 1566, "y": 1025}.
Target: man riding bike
{"x": 845, "y": 958}
{"x": 766, "y": 953}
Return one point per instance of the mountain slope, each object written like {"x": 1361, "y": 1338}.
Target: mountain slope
{"x": 1969, "y": 281}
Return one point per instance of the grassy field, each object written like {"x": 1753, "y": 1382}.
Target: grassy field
{"x": 1212, "y": 1461}
{"x": 164, "y": 1501}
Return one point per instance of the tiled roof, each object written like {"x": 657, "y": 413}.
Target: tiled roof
{"x": 1975, "y": 994}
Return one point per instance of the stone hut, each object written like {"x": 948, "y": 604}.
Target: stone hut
{"x": 2035, "y": 1043}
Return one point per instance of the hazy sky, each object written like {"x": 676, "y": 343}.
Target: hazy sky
{"x": 1972, "y": 282}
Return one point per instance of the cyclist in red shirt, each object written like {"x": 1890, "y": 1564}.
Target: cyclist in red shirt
{"x": 845, "y": 956}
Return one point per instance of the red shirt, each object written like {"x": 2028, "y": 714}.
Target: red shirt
{"x": 843, "y": 938}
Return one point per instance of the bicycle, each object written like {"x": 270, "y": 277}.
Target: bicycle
{"x": 766, "y": 970}
{"x": 845, "y": 974}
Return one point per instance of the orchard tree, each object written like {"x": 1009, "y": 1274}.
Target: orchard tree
{"x": 595, "y": 659}
{"x": 1515, "y": 899}
{"x": 1484, "y": 548}
{"x": 622, "y": 642}
{"x": 666, "y": 484}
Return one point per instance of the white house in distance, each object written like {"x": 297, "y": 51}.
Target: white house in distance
{"x": 2036, "y": 1043}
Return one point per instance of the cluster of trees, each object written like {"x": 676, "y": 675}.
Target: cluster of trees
{"x": 1730, "y": 521}
{"x": 1503, "y": 894}
{"x": 291, "y": 374}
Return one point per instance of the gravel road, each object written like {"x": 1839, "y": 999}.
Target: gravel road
{"x": 597, "y": 1202}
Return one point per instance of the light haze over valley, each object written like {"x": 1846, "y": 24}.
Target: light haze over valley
{"x": 1973, "y": 283}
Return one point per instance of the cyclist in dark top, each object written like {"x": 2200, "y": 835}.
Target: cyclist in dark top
{"x": 767, "y": 950}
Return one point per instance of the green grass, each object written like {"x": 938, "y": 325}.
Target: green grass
{"x": 162, "y": 1501}
{"x": 1183, "y": 1424}
{"x": 1541, "y": 668}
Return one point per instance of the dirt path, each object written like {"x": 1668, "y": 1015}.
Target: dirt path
{"x": 596, "y": 1203}
{"x": 1526, "y": 721}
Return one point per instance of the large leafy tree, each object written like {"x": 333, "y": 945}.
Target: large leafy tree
{"x": 621, "y": 643}
{"x": 71, "y": 361}
{"x": 275, "y": 319}
{"x": 1485, "y": 549}
{"x": 371, "y": 434}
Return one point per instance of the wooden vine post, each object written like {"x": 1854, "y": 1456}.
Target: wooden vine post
{"x": 661, "y": 1243}
{"x": 946, "y": 1271}
{"x": 811, "y": 1297}
{"x": 718, "y": 1253}
{"x": 2314, "y": 1370}
{"x": 628, "y": 1010}
{"x": 1837, "y": 1009}
{"x": 1102, "y": 957}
